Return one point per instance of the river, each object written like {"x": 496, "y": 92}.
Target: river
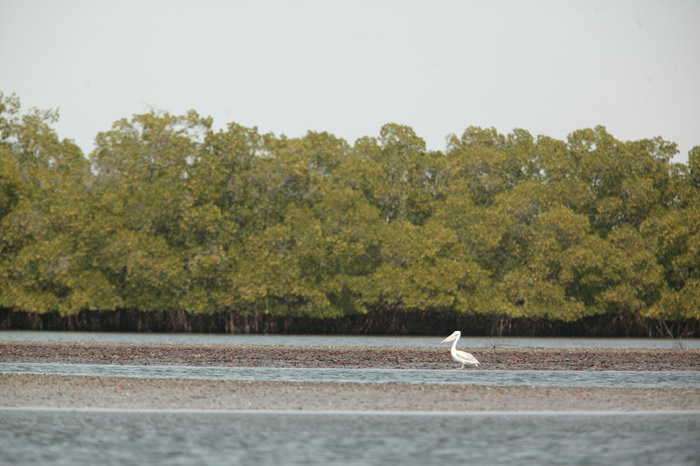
{"x": 112, "y": 437}
{"x": 187, "y": 437}
{"x": 538, "y": 378}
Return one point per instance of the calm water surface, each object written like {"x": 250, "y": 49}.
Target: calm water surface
{"x": 106, "y": 437}
{"x": 626, "y": 379}
{"x": 65, "y": 437}
{"x": 335, "y": 340}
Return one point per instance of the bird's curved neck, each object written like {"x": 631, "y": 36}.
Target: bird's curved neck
{"x": 454, "y": 345}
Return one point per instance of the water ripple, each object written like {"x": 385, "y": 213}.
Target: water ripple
{"x": 621, "y": 379}
{"x": 211, "y": 438}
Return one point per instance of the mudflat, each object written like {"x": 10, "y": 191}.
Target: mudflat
{"x": 53, "y": 391}
{"x": 348, "y": 357}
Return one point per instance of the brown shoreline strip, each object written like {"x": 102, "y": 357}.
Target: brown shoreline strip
{"x": 348, "y": 357}
{"x": 51, "y": 391}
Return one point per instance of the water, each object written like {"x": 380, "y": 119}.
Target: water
{"x": 186, "y": 437}
{"x": 71, "y": 437}
{"x": 339, "y": 340}
{"x": 625, "y": 379}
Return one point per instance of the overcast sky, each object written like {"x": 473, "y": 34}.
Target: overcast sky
{"x": 348, "y": 67}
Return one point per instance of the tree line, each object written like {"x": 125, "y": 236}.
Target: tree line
{"x": 169, "y": 214}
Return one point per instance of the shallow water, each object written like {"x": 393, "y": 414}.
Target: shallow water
{"x": 69, "y": 437}
{"x": 339, "y": 340}
{"x": 622, "y": 379}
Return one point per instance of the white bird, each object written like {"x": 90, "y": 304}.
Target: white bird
{"x": 461, "y": 357}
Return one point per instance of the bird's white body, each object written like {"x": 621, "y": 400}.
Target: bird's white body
{"x": 461, "y": 357}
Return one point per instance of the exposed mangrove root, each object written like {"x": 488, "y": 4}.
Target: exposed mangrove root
{"x": 384, "y": 321}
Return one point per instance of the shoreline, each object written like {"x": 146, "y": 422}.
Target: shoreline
{"x": 380, "y": 321}
{"x": 691, "y": 412}
{"x": 359, "y": 357}
{"x": 88, "y": 392}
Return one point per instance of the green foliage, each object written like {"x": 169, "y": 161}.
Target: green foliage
{"x": 167, "y": 213}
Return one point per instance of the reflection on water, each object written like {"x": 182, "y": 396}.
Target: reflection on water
{"x": 61, "y": 437}
{"x": 334, "y": 340}
{"x": 628, "y": 379}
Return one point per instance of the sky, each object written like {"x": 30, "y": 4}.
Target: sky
{"x": 349, "y": 67}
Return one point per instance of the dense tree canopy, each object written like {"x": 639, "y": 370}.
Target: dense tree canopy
{"x": 168, "y": 213}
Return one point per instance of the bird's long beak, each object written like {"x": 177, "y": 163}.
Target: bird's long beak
{"x": 447, "y": 339}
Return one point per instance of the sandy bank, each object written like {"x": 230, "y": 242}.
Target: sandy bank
{"x": 22, "y": 390}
